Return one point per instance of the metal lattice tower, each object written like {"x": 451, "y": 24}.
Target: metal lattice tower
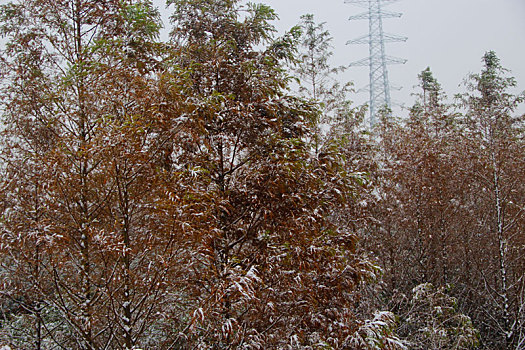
{"x": 379, "y": 87}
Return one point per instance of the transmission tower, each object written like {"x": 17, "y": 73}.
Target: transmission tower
{"x": 379, "y": 87}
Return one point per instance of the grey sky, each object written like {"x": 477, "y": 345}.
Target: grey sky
{"x": 450, "y": 36}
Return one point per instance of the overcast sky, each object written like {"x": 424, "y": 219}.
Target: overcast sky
{"x": 449, "y": 36}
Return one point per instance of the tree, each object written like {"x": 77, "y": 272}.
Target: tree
{"x": 86, "y": 251}
{"x": 421, "y": 209}
{"x": 274, "y": 268}
{"x": 163, "y": 195}
{"x": 448, "y": 205}
{"x": 493, "y": 141}
{"x": 433, "y": 321}
{"x": 318, "y": 82}
{"x": 420, "y": 202}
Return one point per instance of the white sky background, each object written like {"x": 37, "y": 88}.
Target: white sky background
{"x": 449, "y": 36}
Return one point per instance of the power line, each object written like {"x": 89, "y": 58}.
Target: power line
{"x": 379, "y": 86}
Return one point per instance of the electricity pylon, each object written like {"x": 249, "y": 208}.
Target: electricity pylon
{"x": 379, "y": 87}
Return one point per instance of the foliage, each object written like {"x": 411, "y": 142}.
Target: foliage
{"x": 378, "y": 333}
{"x": 493, "y": 141}
{"x": 433, "y": 321}
{"x": 447, "y": 202}
{"x": 177, "y": 195}
{"x": 163, "y": 195}
{"x": 317, "y": 81}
